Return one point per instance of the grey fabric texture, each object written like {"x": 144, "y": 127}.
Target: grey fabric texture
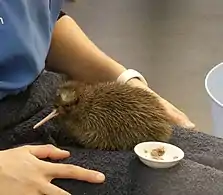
{"x": 200, "y": 173}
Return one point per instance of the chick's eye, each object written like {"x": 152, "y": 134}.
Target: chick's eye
{"x": 67, "y": 107}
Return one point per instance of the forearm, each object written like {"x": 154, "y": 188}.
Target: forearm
{"x": 74, "y": 54}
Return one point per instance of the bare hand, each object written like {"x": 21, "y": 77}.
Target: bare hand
{"x": 178, "y": 116}
{"x": 22, "y": 172}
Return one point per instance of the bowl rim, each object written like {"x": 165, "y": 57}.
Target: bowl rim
{"x": 213, "y": 69}
{"x": 159, "y": 161}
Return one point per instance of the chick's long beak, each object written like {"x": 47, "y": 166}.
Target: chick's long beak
{"x": 53, "y": 114}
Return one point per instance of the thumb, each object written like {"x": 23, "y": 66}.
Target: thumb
{"x": 47, "y": 151}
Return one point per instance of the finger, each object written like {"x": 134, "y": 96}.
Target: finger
{"x": 47, "y": 151}
{"x": 183, "y": 121}
{"x": 178, "y": 116}
{"x": 73, "y": 172}
{"x": 51, "y": 189}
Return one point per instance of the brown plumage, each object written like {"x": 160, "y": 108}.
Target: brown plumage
{"x": 111, "y": 116}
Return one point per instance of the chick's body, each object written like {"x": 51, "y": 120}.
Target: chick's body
{"x": 112, "y": 116}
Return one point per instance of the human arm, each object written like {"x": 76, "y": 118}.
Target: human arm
{"x": 74, "y": 54}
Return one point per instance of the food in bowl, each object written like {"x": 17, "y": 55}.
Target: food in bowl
{"x": 157, "y": 153}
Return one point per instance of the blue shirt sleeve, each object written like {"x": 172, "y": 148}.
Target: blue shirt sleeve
{"x": 25, "y": 35}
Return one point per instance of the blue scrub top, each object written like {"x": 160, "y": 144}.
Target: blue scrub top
{"x": 25, "y": 34}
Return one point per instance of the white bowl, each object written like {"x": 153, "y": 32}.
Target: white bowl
{"x": 143, "y": 151}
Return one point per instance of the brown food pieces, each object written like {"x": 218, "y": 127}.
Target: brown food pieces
{"x": 157, "y": 153}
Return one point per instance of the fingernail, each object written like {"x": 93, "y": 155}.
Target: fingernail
{"x": 190, "y": 125}
{"x": 62, "y": 150}
{"x": 65, "y": 151}
{"x": 100, "y": 177}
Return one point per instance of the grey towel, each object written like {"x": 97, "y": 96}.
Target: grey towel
{"x": 200, "y": 173}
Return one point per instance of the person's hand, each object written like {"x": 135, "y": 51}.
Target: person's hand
{"x": 23, "y": 173}
{"x": 179, "y": 117}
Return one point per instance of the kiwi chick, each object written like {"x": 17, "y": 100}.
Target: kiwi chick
{"x": 110, "y": 115}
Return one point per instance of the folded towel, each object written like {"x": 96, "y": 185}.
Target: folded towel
{"x": 201, "y": 172}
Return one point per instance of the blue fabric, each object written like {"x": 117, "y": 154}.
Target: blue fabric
{"x": 25, "y": 35}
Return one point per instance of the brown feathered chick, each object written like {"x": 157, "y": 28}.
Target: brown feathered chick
{"x": 111, "y": 116}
